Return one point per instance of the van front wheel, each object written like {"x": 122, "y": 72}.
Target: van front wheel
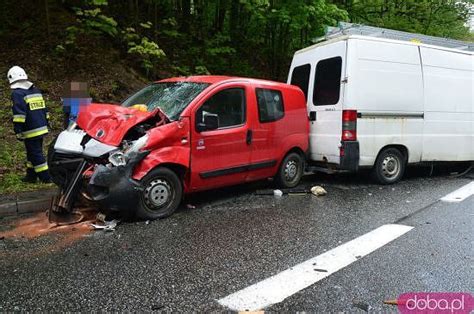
{"x": 389, "y": 166}
{"x": 290, "y": 171}
{"x": 161, "y": 194}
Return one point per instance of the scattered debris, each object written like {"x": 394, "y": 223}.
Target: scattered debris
{"x": 321, "y": 270}
{"x": 391, "y": 302}
{"x": 107, "y": 225}
{"x": 318, "y": 190}
{"x": 147, "y": 222}
{"x": 294, "y": 191}
{"x": 189, "y": 206}
{"x": 361, "y": 305}
{"x": 100, "y": 217}
{"x": 277, "y": 193}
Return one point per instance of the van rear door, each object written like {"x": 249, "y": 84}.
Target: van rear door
{"x": 320, "y": 73}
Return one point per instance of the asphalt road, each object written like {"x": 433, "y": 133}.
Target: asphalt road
{"x": 234, "y": 239}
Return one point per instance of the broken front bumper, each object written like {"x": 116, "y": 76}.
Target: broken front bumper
{"x": 113, "y": 187}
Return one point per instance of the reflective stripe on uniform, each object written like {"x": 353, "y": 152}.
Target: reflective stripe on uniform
{"x": 37, "y": 95}
{"x": 35, "y": 132}
{"x": 35, "y": 101}
{"x": 29, "y": 165}
{"x": 20, "y": 118}
{"x": 47, "y": 115}
{"x": 42, "y": 167}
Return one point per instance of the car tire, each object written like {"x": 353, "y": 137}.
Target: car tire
{"x": 290, "y": 171}
{"x": 389, "y": 166}
{"x": 161, "y": 194}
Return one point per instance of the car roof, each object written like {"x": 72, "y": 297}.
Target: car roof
{"x": 218, "y": 79}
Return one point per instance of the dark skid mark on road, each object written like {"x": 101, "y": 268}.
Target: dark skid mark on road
{"x": 399, "y": 221}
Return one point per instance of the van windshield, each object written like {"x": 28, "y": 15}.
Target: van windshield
{"x": 172, "y": 98}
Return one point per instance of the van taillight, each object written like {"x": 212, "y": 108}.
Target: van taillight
{"x": 349, "y": 125}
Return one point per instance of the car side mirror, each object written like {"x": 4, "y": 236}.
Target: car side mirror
{"x": 210, "y": 122}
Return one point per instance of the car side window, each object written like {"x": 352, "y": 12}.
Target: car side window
{"x": 228, "y": 104}
{"x": 270, "y": 105}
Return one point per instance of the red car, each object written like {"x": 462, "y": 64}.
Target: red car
{"x": 178, "y": 136}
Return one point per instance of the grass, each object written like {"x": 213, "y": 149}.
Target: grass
{"x": 12, "y": 169}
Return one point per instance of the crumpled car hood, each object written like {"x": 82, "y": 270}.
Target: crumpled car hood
{"x": 109, "y": 123}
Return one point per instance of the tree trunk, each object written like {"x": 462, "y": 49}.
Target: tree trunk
{"x": 48, "y": 24}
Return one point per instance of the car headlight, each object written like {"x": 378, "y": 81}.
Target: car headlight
{"x": 118, "y": 159}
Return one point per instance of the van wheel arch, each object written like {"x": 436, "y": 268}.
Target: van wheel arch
{"x": 402, "y": 148}
{"x": 180, "y": 170}
{"x": 295, "y": 150}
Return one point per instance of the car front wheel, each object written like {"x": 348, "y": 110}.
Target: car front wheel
{"x": 161, "y": 194}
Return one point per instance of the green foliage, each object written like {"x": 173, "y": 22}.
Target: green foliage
{"x": 93, "y": 21}
{"x": 247, "y": 37}
{"x": 438, "y": 18}
{"x": 148, "y": 51}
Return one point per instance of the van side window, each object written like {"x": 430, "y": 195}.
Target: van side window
{"x": 327, "y": 83}
{"x": 270, "y": 105}
{"x": 228, "y": 104}
{"x": 300, "y": 78}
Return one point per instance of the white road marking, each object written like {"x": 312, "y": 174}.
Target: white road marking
{"x": 460, "y": 194}
{"x": 282, "y": 285}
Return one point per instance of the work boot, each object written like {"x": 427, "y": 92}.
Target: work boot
{"x": 29, "y": 179}
{"x": 44, "y": 177}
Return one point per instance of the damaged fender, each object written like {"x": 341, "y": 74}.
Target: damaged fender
{"x": 168, "y": 144}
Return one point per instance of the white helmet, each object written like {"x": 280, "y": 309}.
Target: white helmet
{"x": 16, "y": 74}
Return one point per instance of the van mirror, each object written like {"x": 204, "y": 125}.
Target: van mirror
{"x": 210, "y": 122}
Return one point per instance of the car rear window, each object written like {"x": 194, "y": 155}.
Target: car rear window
{"x": 270, "y": 105}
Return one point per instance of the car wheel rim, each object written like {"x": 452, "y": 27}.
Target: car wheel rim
{"x": 390, "y": 167}
{"x": 157, "y": 193}
{"x": 291, "y": 170}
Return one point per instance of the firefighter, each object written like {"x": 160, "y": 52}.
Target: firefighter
{"x": 30, "y": 123}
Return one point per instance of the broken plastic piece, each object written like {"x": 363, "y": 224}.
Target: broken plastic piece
{"x": 107, "y": 226}
{"x": 277, "y": 193}
{"x": 318, "y": 190}
{"x": 100, "y": 217}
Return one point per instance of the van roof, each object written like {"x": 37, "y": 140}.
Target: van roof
{"x": 220, "y": 79}
{"x": 413, "y": 43}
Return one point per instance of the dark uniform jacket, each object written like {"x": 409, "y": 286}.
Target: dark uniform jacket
{"x": 30, "y": 115}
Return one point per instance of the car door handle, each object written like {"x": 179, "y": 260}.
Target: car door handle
{"x": 249, "y": 137}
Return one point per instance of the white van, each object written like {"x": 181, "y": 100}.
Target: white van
{"x": 383, "y": 103}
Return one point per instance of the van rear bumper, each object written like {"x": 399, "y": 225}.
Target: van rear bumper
{"x": 349, "y": 159}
